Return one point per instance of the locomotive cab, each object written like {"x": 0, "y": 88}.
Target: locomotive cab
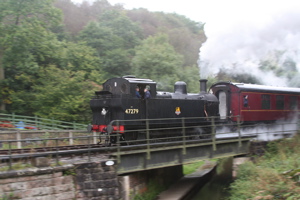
{"x": 118, "y": 100}
{"x": 127, "y": 85}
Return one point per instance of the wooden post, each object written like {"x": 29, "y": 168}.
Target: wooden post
{"x": 94, "y": 137}
{"x": 71, "y": 141}
{"x": 19, "y": 143}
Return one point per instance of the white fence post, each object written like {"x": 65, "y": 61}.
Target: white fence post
{"x": 19, "y": 143}
{"x": 71, "y": 141}
{"x": 94, "y": 137}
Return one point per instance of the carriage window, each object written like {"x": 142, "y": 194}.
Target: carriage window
{"x": 293, "y": 102}
{"x": 266, "y": 103}
{"x": 245, "y": 100}
{"x": 279, "y": 102}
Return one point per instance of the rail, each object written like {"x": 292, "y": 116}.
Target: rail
{"x": 34, "y": 122}
{"x": 183, "y": 137}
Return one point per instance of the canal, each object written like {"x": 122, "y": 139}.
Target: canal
{"x": 217, "y": 188}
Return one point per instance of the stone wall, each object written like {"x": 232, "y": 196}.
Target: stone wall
{"x": 34, "y": 184}
{"x": 92, "y": 181}
{"x": 96, "y": 181}
{"x": 84, "y": 181}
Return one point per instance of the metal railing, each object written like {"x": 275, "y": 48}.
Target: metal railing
{"x": 146, "y": 138}
{"x": 41, "y": 138}
{"x": 210, "y": 131}
{"x": 34, "y": 122}
{"x": 53, "y": 153}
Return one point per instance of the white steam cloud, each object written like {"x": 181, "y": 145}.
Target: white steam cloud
{"x": 263, "y": 132}
{"x": 240, "y": 40}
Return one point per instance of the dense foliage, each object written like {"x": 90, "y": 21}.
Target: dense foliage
{"x": 274, "y": 176}
{"x": 54, "y": 54}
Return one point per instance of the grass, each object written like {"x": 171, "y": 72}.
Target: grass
{"x": 190, "y": 168}
{"x": 193, "y": 167}
{"x": 7, "y": 197}
{"x": 275, "y": 175}
{"x": 17, "y": 166}
{"x": 153, "y": 190}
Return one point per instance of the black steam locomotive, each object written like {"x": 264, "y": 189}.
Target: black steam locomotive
{"x": 125, "y": 103}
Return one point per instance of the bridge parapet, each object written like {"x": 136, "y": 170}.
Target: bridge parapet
{"x": 147, "y": 152}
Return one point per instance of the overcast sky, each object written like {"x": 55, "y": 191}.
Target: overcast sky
{"x": 214, "y": 10}
{"x": 238, "y": 31}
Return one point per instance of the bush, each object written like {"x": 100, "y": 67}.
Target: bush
{"x": 274, "y": 176}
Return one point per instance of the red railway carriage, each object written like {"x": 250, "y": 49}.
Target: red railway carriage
{"x": 255, "y": 103}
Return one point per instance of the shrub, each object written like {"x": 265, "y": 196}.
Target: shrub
{"x": 274, "y": 176}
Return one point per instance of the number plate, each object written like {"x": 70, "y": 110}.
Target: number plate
{"x": 132, "y": 111}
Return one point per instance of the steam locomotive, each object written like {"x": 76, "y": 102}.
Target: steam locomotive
{"x": 124, "y": 100}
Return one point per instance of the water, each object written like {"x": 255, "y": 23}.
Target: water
{"x": 217, "y": 187}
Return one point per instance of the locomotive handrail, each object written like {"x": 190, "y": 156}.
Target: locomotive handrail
{"x": 179, "y": 118}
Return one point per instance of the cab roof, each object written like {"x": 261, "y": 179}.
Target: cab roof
{"x": 133, "y": 79}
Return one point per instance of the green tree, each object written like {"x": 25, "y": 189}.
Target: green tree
{"x": 281, "y": 66}
{"x": 63, "y": 94}
{"x": 41, "y": 71}
{"x": 122, "y": 27}
{"x": 156, "y": 59}
{"x": 71, "y": 60}
{"x": 191, "y": 76}
{"x": 114, "y": 38}
{"x": 23, "y": 24}
{"x": 100, "y": 38}
{"x": 185, "y": 35}
{"x": 233, "y": 76}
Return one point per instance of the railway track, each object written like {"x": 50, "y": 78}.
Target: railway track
{"x": 48, "y": 149}
{"x": 98, "y": 147}
{"x": 78, "y": 153}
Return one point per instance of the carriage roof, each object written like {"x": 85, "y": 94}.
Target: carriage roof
{"x": 255, "y": 87}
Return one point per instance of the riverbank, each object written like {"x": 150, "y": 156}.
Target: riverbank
{"x": 275, "y": 175}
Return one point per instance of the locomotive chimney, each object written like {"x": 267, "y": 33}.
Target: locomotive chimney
{"x": 203, "y": 85}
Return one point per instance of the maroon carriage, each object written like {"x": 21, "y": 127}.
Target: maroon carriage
{"x": 255, "y": 103}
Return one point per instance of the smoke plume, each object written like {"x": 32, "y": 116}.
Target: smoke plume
{"x": 262, "y": 42}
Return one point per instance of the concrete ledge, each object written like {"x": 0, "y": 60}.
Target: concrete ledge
{"x": 182, "y": 189}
